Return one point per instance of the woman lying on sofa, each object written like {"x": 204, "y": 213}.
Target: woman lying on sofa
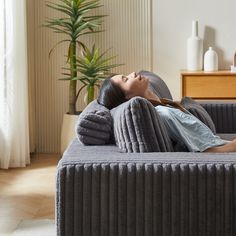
{"x": 180, "y": 123}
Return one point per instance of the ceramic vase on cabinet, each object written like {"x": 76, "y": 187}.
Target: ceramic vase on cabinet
{"x": 210, "y": 60}
{"x": 194, "y": 50}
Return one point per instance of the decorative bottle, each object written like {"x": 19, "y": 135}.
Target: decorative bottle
{"x": 210, "y": 60}
{"x": 194, "y": 50}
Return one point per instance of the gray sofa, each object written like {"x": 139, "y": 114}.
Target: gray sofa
{"x": 102, "y": 190}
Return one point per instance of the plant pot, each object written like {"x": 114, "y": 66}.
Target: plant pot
{"x": 68, "y": 130}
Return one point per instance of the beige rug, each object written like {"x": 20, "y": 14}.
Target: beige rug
{"x": 43, "y": 227}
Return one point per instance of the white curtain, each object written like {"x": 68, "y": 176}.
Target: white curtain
{"x": 14, "y": 126}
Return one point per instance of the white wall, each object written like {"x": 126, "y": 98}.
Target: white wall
{"x": 128, "y": 34}
{"x": 128, "y": 31}
{"x": 172, "y": 26}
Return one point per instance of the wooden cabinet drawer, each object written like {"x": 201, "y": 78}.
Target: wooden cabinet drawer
{"x": 214, "y": 85}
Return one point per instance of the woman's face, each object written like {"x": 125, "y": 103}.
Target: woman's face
{"x": 132, "y": 84}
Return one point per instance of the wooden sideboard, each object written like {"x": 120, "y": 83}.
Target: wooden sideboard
{"x": 219, "y": 85}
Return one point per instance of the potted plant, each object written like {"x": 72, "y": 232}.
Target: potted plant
{"x": 93, "y": 67}
{"x": 74, "y": 23}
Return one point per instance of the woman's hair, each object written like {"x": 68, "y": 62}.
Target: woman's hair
{"x": 110, "y": 94}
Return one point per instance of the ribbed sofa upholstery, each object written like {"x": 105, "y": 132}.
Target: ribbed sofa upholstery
{"x": 223, "y": 114}
{"x": 101, "y": 191}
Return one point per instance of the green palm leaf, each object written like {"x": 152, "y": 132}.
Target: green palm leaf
{"x": 92, "y": 66}
{"x": 60, "y": 9}
{"x": 62, "y": 41}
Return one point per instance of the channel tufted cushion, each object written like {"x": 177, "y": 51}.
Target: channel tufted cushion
{"x": 94, "y": 126}
{"x": 138, "y": 128}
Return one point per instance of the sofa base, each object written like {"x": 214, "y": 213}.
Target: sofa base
{"x": 101, "y": 191}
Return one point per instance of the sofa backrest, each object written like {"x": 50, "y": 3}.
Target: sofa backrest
{"x": 157, "y": 85}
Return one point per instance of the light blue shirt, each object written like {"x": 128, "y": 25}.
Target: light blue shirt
{"x": 187, "y": 129}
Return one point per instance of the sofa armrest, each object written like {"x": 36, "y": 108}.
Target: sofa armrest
{"x": 223, "y": 115}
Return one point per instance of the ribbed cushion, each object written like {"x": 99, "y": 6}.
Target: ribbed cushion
{"x": 223, "y": 115}
{"x": 198, "y": 111}
{"x": 94, "y": 126}
{"x": 137, "y": 127}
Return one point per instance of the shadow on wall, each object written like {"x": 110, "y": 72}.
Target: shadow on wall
{"x": 209, "y": 38}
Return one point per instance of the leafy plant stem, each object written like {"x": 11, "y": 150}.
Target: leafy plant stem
{"x": 73, "y": 83}
{"x": 90, "y": 91}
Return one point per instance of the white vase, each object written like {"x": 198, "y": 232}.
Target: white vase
{"x": 194, "y": 50}
{"x": 210, "y": 60}
{"x": 68, "y": 130}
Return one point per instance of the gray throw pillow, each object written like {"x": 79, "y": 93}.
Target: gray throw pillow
{"x": 94, "y": 126}
{"x": 138, "y": 128}
{"x": 198, "y": 111}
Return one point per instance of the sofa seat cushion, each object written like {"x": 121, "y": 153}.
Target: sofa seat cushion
{"x": 77, "y": 153}
{"x": 227, "y": 136}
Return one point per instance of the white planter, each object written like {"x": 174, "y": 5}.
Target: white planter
{"x": 68, "y": 130}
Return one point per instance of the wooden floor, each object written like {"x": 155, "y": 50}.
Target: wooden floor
{"x": 27, "y": 193}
